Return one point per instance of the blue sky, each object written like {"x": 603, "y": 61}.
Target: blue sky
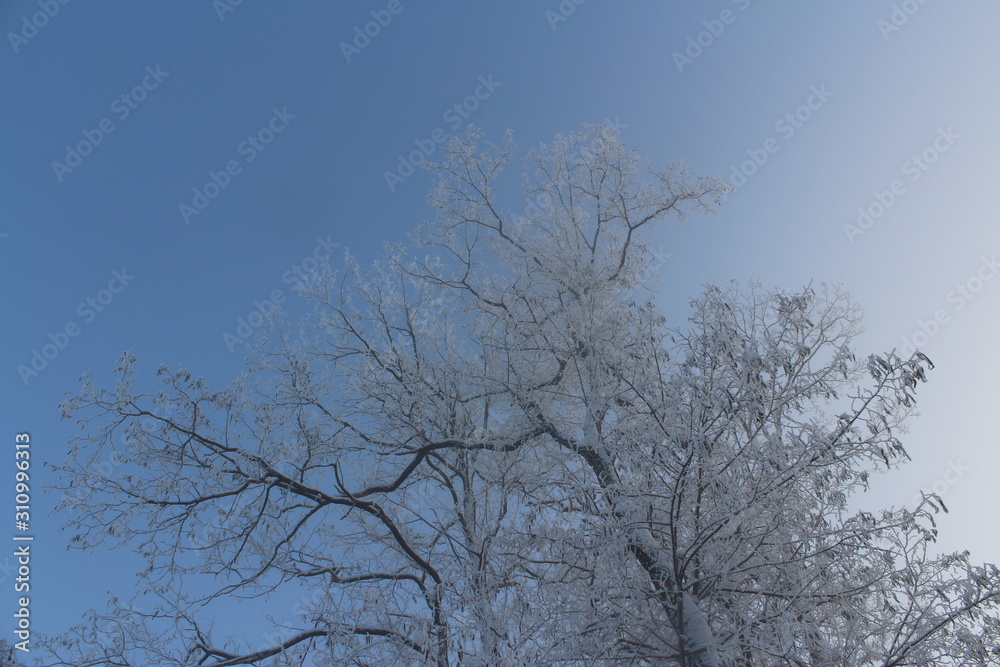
{"x": 887, "y": 107}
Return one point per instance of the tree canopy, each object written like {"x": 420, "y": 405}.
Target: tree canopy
{"x": 491, "y": 448}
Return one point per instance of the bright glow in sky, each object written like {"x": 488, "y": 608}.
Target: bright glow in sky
{"x": 863, "y": 138}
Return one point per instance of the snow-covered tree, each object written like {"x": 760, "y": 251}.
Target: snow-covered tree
{"x": 7, "y": 655}
{"x": 491, "y": 449}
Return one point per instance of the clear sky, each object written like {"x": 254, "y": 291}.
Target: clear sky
{"x": 863, "y": 137}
